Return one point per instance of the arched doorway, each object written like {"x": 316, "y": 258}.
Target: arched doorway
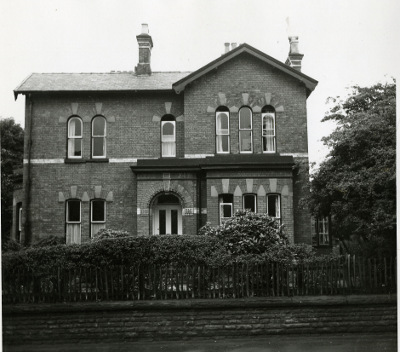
{"x": 167, "y": 215}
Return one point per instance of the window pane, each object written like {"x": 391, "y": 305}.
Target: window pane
{"x": 168, "y": 129}
{"x": 222, "y": 121}
{"x": 174, "y": 221}
{"x": 162, "y": 222}
{"x": 75, "y": 127}
{"x": 222, "y": 144}
{"x": 98, "y": 210}
{"x": 269, "y": 144}
{"x": 226, "y": 210}
{"x": 245, "y": 141}
{"x": 98, "y": 146}
{"x": 168, "y": 149}
{"x": 74, "y": 211}
{"x": 99, "y": 124}
{"x": 245, "y": 118}
{"x": 273, "y": 206}
{"x": 227, "y": 198}
{"x": 249, "y": 202}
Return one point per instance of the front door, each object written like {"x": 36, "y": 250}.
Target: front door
{"x": 167, "y": 219}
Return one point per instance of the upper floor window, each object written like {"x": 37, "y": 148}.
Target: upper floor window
{"x": 321, "y": 231}
{"x": 245, "y": 130}
{"x": 75, "y": 137}
{"x": 250, "y": 202}
{"x": 225, "y": 207}
{"x": 97, "y": 216}
{"x": 222, "y": 130}
{"x": 73, "y": 221}
{"x": 99, "y": 137}
{"x": 168, "y": 136}
{"x": 268, "y": 129}
{"x": 274, "y": 206}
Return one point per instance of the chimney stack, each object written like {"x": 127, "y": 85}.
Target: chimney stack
{"x": 145, "y": 45}
{"x": 234, "y": 45}
{"x": 294, "y": 57}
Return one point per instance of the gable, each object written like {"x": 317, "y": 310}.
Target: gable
{"x": 267, "y": 60}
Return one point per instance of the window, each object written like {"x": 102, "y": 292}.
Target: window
{"x": 225, "y": 207}
{"x": 245, "y": 130}
{"x": 168, "y": 137}
{"x": 274, "y": 206}
{"x": 73, "y": 221}
{"x": 75, "y": 137}
{"x": 268, "y": 129}
{"x": 222, "y": 130}
{"x": 97, "y": 216}
{"x": 99, "y": 137}
{"x": 321, "y": 232}
{"x": 250, "y": 202}
{"x": 18, "y": 222}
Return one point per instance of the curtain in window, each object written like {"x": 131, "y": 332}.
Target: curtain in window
{"x": 96, "y": 228}
{"x": 268, "y": 133}
{"x": 73, "y": 233}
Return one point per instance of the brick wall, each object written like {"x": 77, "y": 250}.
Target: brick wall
{"x": 133, "y": 321}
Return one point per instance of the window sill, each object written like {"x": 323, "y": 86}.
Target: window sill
{"x": 74, "y": 161}
{"x": 98, "y": 160}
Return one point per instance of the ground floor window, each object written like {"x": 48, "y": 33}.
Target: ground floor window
{"x": 225, "y": 207}
{"x": 73, "y": 221}
{"x": 250, "y": 202}
{"x": 274, "y": 206}
{"x": 321, "y": 231}
{"x": 97, "y": 216}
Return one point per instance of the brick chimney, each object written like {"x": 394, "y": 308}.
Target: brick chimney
{"x": 294, "y": 57}
{"x": 145, "y": 45}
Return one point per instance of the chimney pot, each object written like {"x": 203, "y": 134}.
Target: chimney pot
{"x": 234, "y": 45}
{"x": 145, "y": 28}
{"x": 295, "y": 57}
{"x": 226, "y": 47}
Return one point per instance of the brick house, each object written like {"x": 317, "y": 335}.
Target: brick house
{"x": 164, "y": 152}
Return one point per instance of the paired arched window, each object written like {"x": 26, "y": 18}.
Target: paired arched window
{"x": 168, "y": 136}
{"x": 222, "y": 130}
{"x": 75, "y": 137}
{"x": 268, "y": 129}
{"x": 99, "y": 137}
{"x": 245, "y": 130}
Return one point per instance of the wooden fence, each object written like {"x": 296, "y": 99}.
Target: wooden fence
{"x": 350, "y": 276}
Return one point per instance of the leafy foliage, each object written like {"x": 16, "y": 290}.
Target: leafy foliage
{"x": 248, "y": 233}
{"x": 12, "y": 149}
{"x": 109, "y": 234}
{"x": 356, "y": 184}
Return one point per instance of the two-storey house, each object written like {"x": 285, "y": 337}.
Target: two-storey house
{"x": 165, "y": 152}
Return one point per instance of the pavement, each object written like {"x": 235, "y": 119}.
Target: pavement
{"x": 277, "y": 343}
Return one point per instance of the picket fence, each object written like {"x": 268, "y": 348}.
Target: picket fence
{"x": 351, "y": 275}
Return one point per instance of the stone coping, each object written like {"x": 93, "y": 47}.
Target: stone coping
{"x": 203, "y": 304}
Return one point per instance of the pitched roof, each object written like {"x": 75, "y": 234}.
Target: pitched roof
{"x": 89, "y": 82}
{"x": 309, "y": 82}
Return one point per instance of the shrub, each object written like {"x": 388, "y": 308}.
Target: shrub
{"x": 248, "y": 233}
{"x": 49, "y": 241}
{"x": 11, "y": 246}
{"x": 109, "y": 234}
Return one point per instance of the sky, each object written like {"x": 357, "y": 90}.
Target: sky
{"x": 344, "y": 42}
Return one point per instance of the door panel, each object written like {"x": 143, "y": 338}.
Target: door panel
{"x": 167, "y": 220}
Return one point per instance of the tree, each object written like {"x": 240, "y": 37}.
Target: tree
{"x": 356, "y": 184}
{"x": 12, "y": 148}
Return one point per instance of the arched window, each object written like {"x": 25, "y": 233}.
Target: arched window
{"x": 73, "y": 221}
{"x": 168, "y": 136}
{"x": 222, "y": 130}
{"x": 99, "y": 137}
{"x": 97, "y": 216}
{"x": 75, "y": 137}
{"x": 245, "y": 130}
{"x": 268, "y": 129}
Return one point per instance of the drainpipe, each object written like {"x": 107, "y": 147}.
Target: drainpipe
{"x": 28, "y": 181}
